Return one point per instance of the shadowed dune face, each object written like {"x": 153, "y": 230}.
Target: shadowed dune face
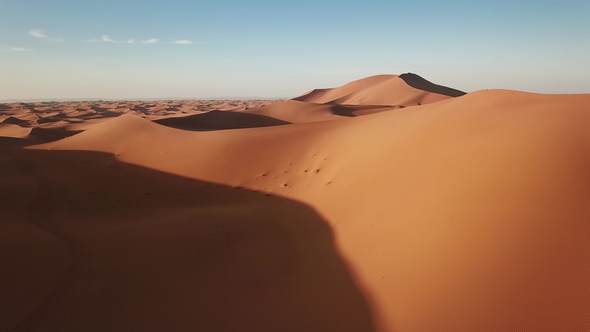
{"x": 42, "y": 135}
{"x": 88, "y": 243}
{"x": 359, "y": 110}
{"x": 219, "y": 120}
{"x": 11, "y": 142}
{"x": 13, "y": 120}
{"x": 21, "y": 137}
{"x": 418, "y": 82}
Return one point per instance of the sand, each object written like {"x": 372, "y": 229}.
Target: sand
{"x": 387, "y": 204}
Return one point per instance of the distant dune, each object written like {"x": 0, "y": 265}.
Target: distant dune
{"x": 403, "y": 90}
{"x": 387, "y": 204}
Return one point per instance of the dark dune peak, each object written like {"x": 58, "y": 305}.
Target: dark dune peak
{"x": 418, "y": 82}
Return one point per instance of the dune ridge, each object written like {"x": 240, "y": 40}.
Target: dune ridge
{"x": 392, "y": 90}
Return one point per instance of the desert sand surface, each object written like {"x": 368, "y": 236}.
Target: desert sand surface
{"x": 387, "y": 204}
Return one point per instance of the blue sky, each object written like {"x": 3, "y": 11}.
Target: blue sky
{"x": 203, "y": 49}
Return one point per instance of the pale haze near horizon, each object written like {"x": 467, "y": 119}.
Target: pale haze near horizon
{"x": 273, "y": 49}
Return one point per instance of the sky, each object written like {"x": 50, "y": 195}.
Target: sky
{"x": 131, "y": 49}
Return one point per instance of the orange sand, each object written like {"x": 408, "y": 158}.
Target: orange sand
{"x": 387, "y": 204}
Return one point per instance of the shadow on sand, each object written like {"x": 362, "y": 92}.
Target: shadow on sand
{"x": 418, "y": 82}
{"x": 219, "y": 120}
{"x": 133, "y": 249}
{"x": 37, "y": 136}
{"x": 342, "y": 110}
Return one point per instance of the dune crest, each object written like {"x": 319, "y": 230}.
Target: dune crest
{"x": 387, "y": 90}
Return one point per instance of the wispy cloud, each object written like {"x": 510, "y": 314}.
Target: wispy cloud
{"x": 107, "y": 39}
{"x": 36, "y": 33}
{"x": 102, "y": 39}
{"x": 41, "y": 34}
{"x": 18, "y": 49}
{"x": 182, "y": 42}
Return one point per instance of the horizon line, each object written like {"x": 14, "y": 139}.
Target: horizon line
{"x": 16, "y": 100}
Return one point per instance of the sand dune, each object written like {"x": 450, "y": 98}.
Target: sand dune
{"x": 404, "y": 90}
{"x": 12, "y": 130}
{"x": 13, "y": 120}
{"x": 14, "y": 135}
{"x": 49, "y": 121}
{"x": 459, "y": 214}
